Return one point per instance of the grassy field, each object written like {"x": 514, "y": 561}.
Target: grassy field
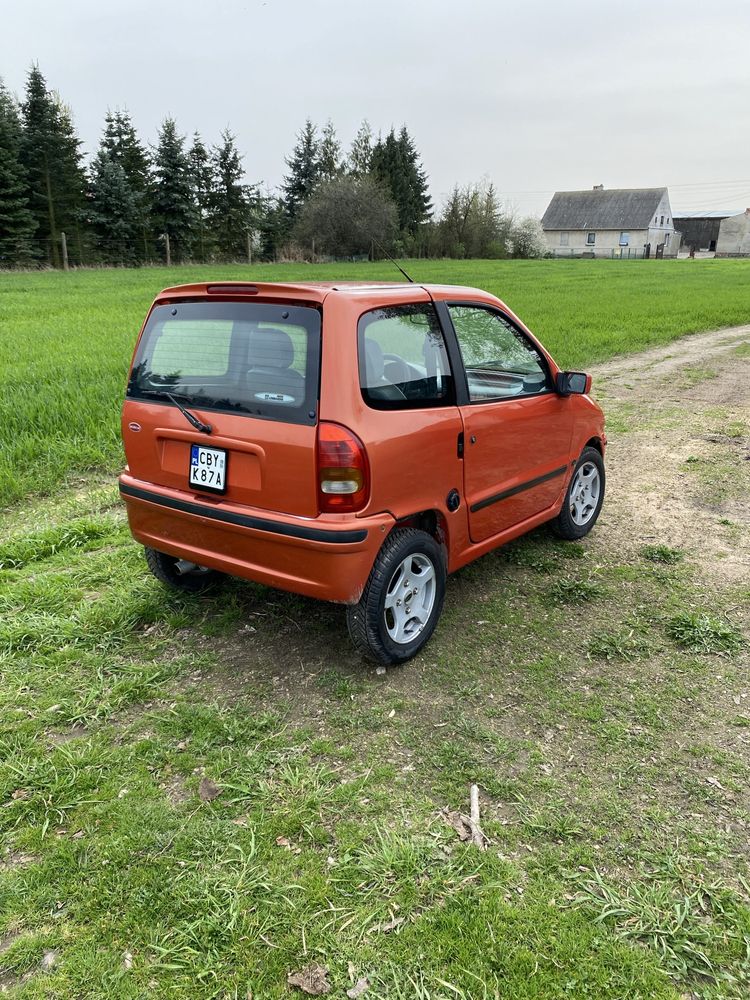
{"x": 202, "y": 795}
{"x": 66, "y": 339}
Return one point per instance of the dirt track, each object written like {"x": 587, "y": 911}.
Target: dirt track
{"x": 679, "y": 450}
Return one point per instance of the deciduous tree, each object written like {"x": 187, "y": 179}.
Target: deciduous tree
{"x": 345, "y": 215}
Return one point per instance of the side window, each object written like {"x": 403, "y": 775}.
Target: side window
{"x": 500, "y": 362}
{"x": 403, "y": 363}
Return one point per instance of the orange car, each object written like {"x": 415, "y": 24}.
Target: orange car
{"x": 351, "y": 442}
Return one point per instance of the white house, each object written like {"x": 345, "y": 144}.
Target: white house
{"x": 622, "y": 222}
{"x": 734, "y": 236}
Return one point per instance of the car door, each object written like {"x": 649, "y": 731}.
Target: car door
{"x": 517, "y": 429}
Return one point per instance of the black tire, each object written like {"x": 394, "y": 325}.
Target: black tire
{"x": 369, "y": 621}
{"x": 566, "y": 524}
{"x": 165, "y": 568}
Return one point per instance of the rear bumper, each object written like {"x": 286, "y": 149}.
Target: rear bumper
{"x": 329, "y": 557}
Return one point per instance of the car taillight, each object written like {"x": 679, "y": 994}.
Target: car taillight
{"x": 343, "y": 471}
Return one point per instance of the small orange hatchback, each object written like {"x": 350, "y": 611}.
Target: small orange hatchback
{"x": 350, "y": 442}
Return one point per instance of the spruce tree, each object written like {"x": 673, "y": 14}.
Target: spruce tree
{"x": 121, "y": 144}
{"x": 51, "y": 157}
{"x": 273, "y": 226}
{"x": 202, "y": 182}
{"x": 360, "y": 153}
{"x": 114, "y": 210}
{"x": 395, "y": 162}
{"x": 329, "y": 156}
{"x": 419, "y": 202}
{"x": 304, "y": 170}
{"x": 17, "y": 224}
{"x": 230, "y": 200}
{"x": 120, "y": 141}
{"x": 172, "y": 206}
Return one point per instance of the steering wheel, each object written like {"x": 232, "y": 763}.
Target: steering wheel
{"x": 397, "y": 370}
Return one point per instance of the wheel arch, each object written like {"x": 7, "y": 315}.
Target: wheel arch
{"x": 431, "y": 521}
{"x": 594, "y": 442}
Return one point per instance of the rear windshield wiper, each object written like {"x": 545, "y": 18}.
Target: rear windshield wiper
{"x": 190, "y": 417}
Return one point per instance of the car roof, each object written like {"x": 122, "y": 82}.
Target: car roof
{"x": 318, "y": 291}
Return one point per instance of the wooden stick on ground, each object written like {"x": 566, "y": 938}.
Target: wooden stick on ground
{"x": 477, "y": 835}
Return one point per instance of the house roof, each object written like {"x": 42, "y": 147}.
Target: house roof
{"x": 713, "y": 214}
{"x": 618, "y": 208}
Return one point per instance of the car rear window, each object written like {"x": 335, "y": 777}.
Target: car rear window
{"x": 256, "y": 358}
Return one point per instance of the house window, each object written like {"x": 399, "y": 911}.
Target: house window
{"x": 564, "y": 239}
{"x": 624, "y": 239}
{"x": 590, "y": 239}
{"x": 666, "y": 239}
{"x": 662, "y": 221}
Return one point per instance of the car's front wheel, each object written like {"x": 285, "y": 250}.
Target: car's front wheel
{"x": 584, "y": 497}
{"x": 179, "y": 573}
{"x": 402, "y": 600}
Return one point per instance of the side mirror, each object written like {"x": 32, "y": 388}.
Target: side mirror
{"x": 572, "y": 383}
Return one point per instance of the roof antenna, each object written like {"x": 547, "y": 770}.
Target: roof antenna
{"x": 394, "y": 262}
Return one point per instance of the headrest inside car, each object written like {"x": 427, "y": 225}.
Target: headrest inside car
{"x": 270, "y": 348}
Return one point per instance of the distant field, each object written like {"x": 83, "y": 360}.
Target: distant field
{"x": 66, "y": 339}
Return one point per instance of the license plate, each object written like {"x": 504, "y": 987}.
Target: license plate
{"x": 208, "y": 468}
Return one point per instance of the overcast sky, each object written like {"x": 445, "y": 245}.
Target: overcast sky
{"x": 538, "y": 96}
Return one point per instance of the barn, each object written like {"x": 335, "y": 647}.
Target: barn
{"x": 620, "y": 222}
{"x": 700, "y": 230}
{"x": 734, "y": 236}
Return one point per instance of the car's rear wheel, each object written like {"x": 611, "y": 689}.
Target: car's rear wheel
{"x": 583, "y": 498}
{"x": 179, "y": 573}
{"x": 402, "y": 600}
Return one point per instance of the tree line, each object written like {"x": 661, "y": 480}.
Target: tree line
{"x": 181, "y": 200}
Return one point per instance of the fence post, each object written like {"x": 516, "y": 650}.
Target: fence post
{"x": 64, "y": 252}
{"x": 249, "y": 247}
{"x": 169, "y": 253}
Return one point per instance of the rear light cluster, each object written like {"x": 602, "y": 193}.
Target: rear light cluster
{"x": 343, "y": 470}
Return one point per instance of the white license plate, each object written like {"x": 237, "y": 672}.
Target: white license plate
{"x": 208, "y": 468}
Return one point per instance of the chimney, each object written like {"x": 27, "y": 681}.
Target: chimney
{"x": 598, "y": 187}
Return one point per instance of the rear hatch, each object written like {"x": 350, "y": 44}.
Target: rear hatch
{"x": 249, "y": 371}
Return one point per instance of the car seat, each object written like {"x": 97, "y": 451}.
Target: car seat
{"x": 270, "y": 377}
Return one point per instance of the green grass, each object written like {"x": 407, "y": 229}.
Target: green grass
{"x": 66, "y": 339}
{"x": 704, "y": 633}
{"x": 661, "y": 554}
{"x": 321, "y": 838}
{"x": 202, "y": 794}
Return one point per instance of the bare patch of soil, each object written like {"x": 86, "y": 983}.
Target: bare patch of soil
{"x": 16, "y": 859}
{"x": 60, "y": 739}
{"x": 681, "y": 469}
{"x": 175, "y": 790}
